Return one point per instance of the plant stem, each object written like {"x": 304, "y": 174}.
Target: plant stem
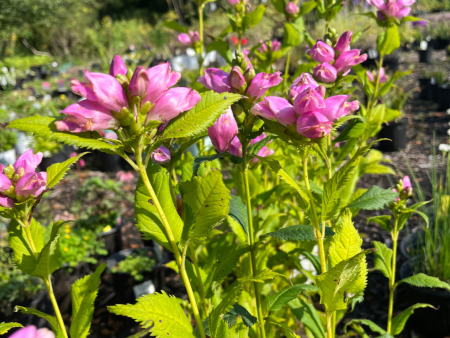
{"x": 392, "y": 276}
{"x": 171, "y": 240}
{"x": 200, "y": 21}
{"x": 200, "y": 281}
{"x": 48, "y": 285}
{"x": 251, "y": 240}
{"x": 286, "y": 70}
{"x": 375, "y": 92}
{"x": 329, "y": 324}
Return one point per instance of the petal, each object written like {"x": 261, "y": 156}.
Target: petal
{"x": 108, "y": 91}
{"x": 333, "y": 107}
{"x": 173, "y": 102}
{"x": 28, "y": 161}
{"x": 216, "y": 80}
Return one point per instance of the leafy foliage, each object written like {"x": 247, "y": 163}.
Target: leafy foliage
{"x": 51, "y": 319}
{"x": 399, "y": 321}
{"x": 57, "y": 171}
{"x": 374, "y": 199}
{"x": 5, "y": 327}
{"x": 238, "y": 211}
{"x": 296, "y": 233}
{"x": 383, "y": 258}
{"x": 423, "y": 281}
{"x": 277, "y": 300}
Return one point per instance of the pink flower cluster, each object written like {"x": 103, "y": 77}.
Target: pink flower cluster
{"x": 372, "y": 76}
{"x": 271, "y": 47}
{"x": 392, "y": 8}
{"x": 335, "y": 61}
{"x": 243, "y": 81}
{"x": 189, "y": 39}
{"x": 405, "y": 188}
{"x": 108, "y": 101}
{"x": 306, "y": 108}
{"x": 20, "y": 181}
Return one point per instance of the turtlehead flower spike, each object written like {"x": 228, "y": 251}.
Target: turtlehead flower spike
{"x": 223, "y": 131}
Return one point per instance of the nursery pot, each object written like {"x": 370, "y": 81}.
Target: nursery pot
{"x": 127, "y": 289}
{"x": 395, "y": 131}
{"x": 425, "y": 55}
{"x": 112, "y": 239}
{"x": 444, "y": 97}
{"x": 427, "y": 322}
{"x": 434, "y": 94}
{"x": 424, "y": 85}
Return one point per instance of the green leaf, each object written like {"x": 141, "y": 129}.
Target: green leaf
{"x": 410, "y": 18}
{"x": 199, "y": 159}
{"x": 5, "y": 327}
{"x": 384, "y": 221}
{"x": 293, "y": 33}
{"x": 378, "y": 169}
{"x": 206, "y": 203}
{"x": 315, "y": 261}
{"x": 424, "y": 216}
{"x": 374, "y": 199}
{"x": 374, "y": 327}
{"x": 288, "y": 332}
{"x": 296, "y": 233}
{"x": 30, "y": 311}
{"x": 279, "y": 5}
{"x": 175, "y": 26}
{"x": 57, "y": 171}
{"x": 354, "y": 129}
{"x": 24, "y": 257}
{"x": 399, "y": 321}
{"x": 160, "y": 312}
{"x": 222, "y": 48}
{"x": 423, "y": 281}
{"x": 342, "y": 278}
{"x": 388, "y": 41}
{"x": 256, "y": 147}
{"x": 84, "y": 291}
{"x": 383, "y": 258}
{"x": 277, "y": 300}
{"x": 307, "y": 7}
{"x": 242, "y": 312}
{"x": 46, "y": 128}
{"x": 308, "y": 316}
{"x": 253, "y": 18}
{"x": 238, "y": 211}
{"x": 147, "y": 216}
{"x": 199, "y": 118}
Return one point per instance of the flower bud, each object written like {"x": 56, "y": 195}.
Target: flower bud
{"x": 321, "y": 52}
{"x": 216, "y": 80}
{"x": 6, "y": 202}
{"x": 123, "y": 80}
{"x": 28, "y": 161}
{"x": 161, "y": 155}
{"x": 31, "y": 184}
{"x": 117, "y": 67}
{"x": 184, "y": 39}
{"x": 242, "y": 61}
{"x": 309, "y": 100}
{"x": 325, "y": 73}
{"x": 249, "y": 74}
{"x": 313, "y": 125}
{"x": 347, "y": 59}
{"x": 238, "y": 112}
{"x": 139, "y": 82}
{"x": 5, "y": 183}
{"x": 223, "y": 131}
{"x": 343, "y": 43}
{"x": 9, "y": 171}
{"x": 237, "y": 80}
{"x": 292, "y": 8}
{"x": 261, "y": 83}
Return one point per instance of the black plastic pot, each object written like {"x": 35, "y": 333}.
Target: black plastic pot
{"x": 112, "y": 239}
{"x": 425, "y": 55}
{"x": 434, "y": 94}
{"x": 427, "y": 322}
{"x": 444, "y": 97}
{"x": 395, "y": 131}
{"x": 424, "y": 85}
{"x": 124, "y": 283}
{"x": 109, "y": 162}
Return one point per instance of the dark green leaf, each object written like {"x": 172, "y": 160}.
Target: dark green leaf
{"x": 238, "y": 211}
{"x": 374, "y": 199}
{"x": 296, "y": 233}
{"x": 277, "y": 300}
{"x": 198, "y": 160}
{"x": 383, "y": 221}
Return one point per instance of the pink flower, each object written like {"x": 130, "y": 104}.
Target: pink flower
{"x": 31, "y": 184}
{"x": 161, "y": 79}
{"x": 325, "y": 73}
{"x": 303, "y": 82}
{"x": 31, "y": 332}
{"x": 189, "y": 39}
{"x": 161, "y": 155}
{"x": 261, "y": 83}
{"x": 6, "y": 202}
{"x": 117, "y": 67}
{"x": 322, "y": 52}
{"x": 275, "y": 46}
{"x": 236, "y": 79}
{"x": 28, "y": 161}
{"x": 236, "y": 147}
{"x": 291, "y": 8}
{"x": 125, "y": 177}
{"x": 172, "y": 103}
{"x": 348, "y": 59}
{"x": 406, "y": 182}
{"x": 313, "y": 125}
{"x": 5, "y": 183}
{"x": 343, "y": 43}
{"x": 223, "y": 131}
{"x": 139, "y": 82}
{"x": 392, "y": 8}
{"x": 334, "y": 107}
{"x": 372, "y": 77}
{"x": 272, "y": 107}
{"x": 235, "y": 2}
{"x": 216, "y": 80}
{"x": 87, "y": 115}
{"x": 309, "y": 100}
{"x": 102, "y": 88}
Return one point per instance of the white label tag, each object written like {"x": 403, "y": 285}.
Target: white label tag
{"x": 143, "y": 289}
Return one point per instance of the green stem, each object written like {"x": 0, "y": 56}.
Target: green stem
{"x": 200, "y": 19}
{"x": 171, "y": 240}
{"x": 200, "y": 281}
{"x": 329, "y": 324}
{"x": 286, "y": 70}
{"x": 373, "y": 101}
{"x": 392, "y": 276}
{"x": 251, "y": 240}
{"x": 329, "y": 157}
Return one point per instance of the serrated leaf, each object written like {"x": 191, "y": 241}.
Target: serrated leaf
{"x": 383, "y": 221}
{"x": 374, "y": 199}
{"x": 257, "y": 146}
{"x": 51, "y": 319}
{"x": 378, "y": 169}
{"x": 238, "y": 211}
{"x": 374, "y": 327}
{"x": 383, "y": 259}
{"x": 423, "y": 281}
{"x": 5, "y": 327}
{"x": 160, "y": 312}
{"x": 206, "y": 203}
{"x": 238, "y": 310}
{"x": 277, "y": 300}
{"x": 296, "y": 233}
{"x": 198, "y": 160}
{"x": 308, "y": 316}
{"x": 199, "y": 118}
{"x": 57, "y": 171}
{"x": 84, "y": 291}
{"x": 399, "y": 321}
{"x": 24, "y": 257}
{"x": 45, "y": 127}
{"x": 148, "y": 219}
{"x": 342, "y": 278}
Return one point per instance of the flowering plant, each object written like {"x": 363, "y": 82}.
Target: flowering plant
{"x": 227, "y": 246}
